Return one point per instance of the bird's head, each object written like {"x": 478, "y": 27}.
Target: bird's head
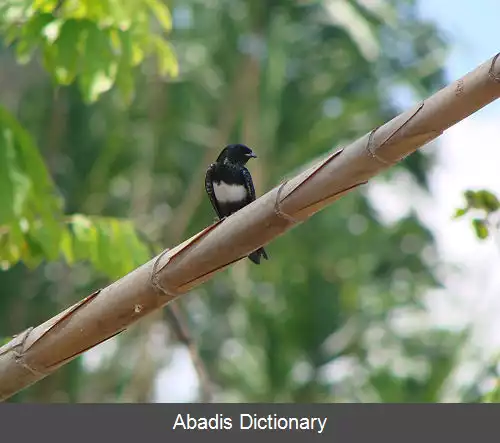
{"x": 237, "y": 153}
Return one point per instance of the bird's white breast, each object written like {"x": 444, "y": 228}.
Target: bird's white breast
{"x": 229, "y": 193}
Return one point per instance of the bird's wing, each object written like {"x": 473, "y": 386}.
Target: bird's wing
{"x": 247, "y": 178}
{"x": 209, "y": 187}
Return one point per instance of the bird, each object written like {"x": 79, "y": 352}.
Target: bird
{"x": 229, "y": 185}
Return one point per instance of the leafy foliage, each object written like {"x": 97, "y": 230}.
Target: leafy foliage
{"x": 33, "y": 227}
{"x": 99, "y": 43}
{"x": 481, "y": 202}
{"x": 30, "y": 206}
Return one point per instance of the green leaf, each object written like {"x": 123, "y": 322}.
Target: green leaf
{"x": 99, "y": 12}
{"x": 69, "y": 9}
{"x": 81, "y": 42}
{"x": 45, "y": 5}
{"x": 167, "y": 62}
{"x": 120, "y": 232}
{"x": 481, "y": 228}
{"x": 17, "y": 243}
{"x": 470, "y": 197}
{"x": 43, "y": 234}
{"x": 161, "y": 13}
{"x": 122, "y": 13}
{"x": 30, "y": 159}
{"x": 31, "y": 228}
{"x": 52, "y": 31}
{"x": 10, "y": 250}
{"x": 34, "y": 195}
{"x": 482, "y": 199}
{"x": 83, "y": 237}
{"x": 20, "y": 185}
{"x": 33, "y": 254}
{"x": 111, "y": 245}
{"x": 460, "y": 212}
{"x": 67, "y": 246}
{"x": 65, "y": 61}
{"x": 106, "y": 253}
{"x": 6, "y": 184}
{"x": 30, "y": 36}
{"x": 119, "y": 249}
{"x": 99, "y": 68}
{"x": 489, "y": 201}
{"x": 139, "y": 252}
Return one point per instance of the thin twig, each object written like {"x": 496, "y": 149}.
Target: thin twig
{"x": 178, "y": 323}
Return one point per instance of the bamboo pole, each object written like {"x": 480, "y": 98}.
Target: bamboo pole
{"x": 38, "y": 351}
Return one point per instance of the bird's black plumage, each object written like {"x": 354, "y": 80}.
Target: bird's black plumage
{"x": 230, "y": 187}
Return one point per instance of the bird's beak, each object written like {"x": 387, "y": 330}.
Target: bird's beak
{"x": 251, "y": 155}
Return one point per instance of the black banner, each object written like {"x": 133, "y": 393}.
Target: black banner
{"x": 224, "y": 422}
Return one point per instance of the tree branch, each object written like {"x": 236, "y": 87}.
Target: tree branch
{"x": 39, "y": 351}
{"x": 179, "y": 325}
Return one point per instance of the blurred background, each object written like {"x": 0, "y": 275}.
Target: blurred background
{"x": 382, "y": 297}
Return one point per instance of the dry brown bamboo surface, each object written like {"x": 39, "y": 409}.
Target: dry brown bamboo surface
{"x": 38, "y": 351}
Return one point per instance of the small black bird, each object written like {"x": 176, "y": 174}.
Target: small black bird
{"x": 229, "y": 185}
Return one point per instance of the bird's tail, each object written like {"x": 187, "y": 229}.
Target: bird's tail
{"x": 256, "y": 255}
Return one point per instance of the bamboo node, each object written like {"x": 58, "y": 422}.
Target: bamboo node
{"x": 370, "y": 148}
{"x": 491, "y": 72}
{"x": 277, "y": 205}
{"x": 155, "y": 282}
{"x": 19, "y": 355}
{"x": 371, "y": 151}
{"x": 174, "y": 252}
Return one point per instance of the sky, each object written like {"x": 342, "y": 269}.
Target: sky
{"x": 467, "y": 158}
